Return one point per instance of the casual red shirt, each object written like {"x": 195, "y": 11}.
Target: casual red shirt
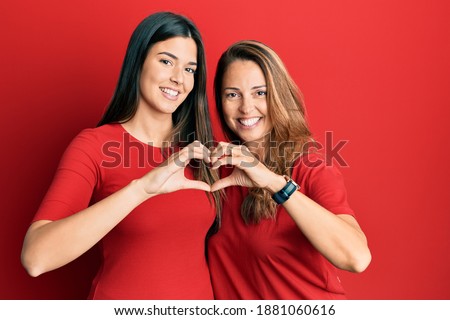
{"x": 273, "y": 259}
{"x": 158, "y": 250}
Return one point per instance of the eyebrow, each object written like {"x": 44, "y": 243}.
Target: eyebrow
{"x": 176, "y": 58}
{"x": 253, "y": 88}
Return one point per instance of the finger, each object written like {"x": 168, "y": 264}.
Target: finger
{"x": 200, "y": 148}
{"x": 216, "y": 156}
{"x": 237, "y": 161}
{"x": 222, "y": 183}
{"x": 223, "y": 149}
{"x": 222, "y": 161}
{"x": 232, "y": 150}
{"x": 216, "y": 152}
{"x": 241, "y": 150}
{"x": 192, "y": 151}
{"x": 199, "y": 185}
{"x": 199, "y": 155}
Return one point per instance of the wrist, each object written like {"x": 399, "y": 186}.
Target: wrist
{"x": 276, "y": 184}
{"x": 138, "y": 189}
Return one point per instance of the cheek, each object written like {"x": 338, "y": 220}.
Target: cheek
{"x": 264, "y": 110}
{"x": 230, "y": 124}
{"x": 143, "y": 87}
{"x": 227, "y": 114}
{"x": 269, "y": 125}
{"x": 189, "y": 84}
{"x": 147, "y": 79}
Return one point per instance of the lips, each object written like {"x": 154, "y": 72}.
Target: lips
{"x": 249, "y": 122}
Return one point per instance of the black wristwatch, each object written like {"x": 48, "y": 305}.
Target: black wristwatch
{"x": 285, "y": 193}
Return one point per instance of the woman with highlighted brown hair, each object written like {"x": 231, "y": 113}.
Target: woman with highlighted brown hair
{"x": 125, "y": 183}
{"x": 287, "y": 225}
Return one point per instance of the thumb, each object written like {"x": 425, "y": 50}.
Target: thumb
{"x": 199, "y": 185}
{"x": 222, "y": 183}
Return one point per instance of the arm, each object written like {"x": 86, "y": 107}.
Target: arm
{"x": 337, "y": 237}
{"x": 52, "y": 244}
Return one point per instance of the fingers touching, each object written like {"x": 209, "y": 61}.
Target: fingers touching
{"x": 230, "y": 154}
{"x": 194, "y": 150}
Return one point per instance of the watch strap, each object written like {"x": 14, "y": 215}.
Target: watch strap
{"x": 284, "y": 194}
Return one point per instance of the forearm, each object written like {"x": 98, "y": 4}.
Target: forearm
{"x": 50, "y": 245}
{"x": 338, "y": 237}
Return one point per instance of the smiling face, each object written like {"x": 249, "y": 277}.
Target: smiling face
{"x": 167, "y": 75}
{"x": 244, "y": 102}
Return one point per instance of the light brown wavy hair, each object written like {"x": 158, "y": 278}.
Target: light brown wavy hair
{"x": 290, "y": 136}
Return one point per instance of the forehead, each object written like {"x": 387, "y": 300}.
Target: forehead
{"x": 182, "y": 48}
{"x": 243, "y": 73}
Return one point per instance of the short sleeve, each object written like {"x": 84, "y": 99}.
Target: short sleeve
{"x": 324, "y": 184}
{"x": 74, "y": 181}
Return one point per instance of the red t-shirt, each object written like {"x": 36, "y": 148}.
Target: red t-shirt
{"x": 158, "y": 250}
{"x": 273, "y": 259}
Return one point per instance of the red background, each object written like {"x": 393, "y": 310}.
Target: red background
{"x": 375, "y": 73}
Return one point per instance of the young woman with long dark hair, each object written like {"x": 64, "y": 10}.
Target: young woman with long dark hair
{"x": 139, "y": 182}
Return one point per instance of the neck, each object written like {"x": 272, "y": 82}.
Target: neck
{"x": 150, "y": 129}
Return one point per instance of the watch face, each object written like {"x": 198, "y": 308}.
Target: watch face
{"x": 290, "y": 180}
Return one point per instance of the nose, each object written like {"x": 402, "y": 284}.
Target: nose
{"x": 247, "y": 105}
{"x": 177, "y": 75}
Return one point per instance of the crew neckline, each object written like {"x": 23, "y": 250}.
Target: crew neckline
{"x": 136, "y": 139}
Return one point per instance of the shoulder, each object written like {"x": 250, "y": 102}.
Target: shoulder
{"x": 91, "y": 142}
{"x": 106, "y": 131}
{"x": 313, "y": 168}
{"x": 97, "y": 137}
{"x": 323, "y": 182}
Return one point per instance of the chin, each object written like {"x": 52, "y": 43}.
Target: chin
{"x": 248, "y": 139}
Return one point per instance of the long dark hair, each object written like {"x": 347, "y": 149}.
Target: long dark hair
{"x": 155, "y": 28}
{"x": 286, "y": 109}
{"x": 191, "y": 120}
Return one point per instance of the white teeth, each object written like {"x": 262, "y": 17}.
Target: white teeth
{"x": 249, "y": 122}
{"x": 171, "y": 92}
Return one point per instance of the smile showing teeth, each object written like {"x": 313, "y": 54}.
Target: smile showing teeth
{"x": 249, "y": 122}
{"x": 170, "y": 92}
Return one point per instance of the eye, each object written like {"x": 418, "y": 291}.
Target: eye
{"x": 231, "y": 95}
{"x": 166, "y": 62}
{"x": 261, "y": 93}
{"x": 190, "y": 70}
